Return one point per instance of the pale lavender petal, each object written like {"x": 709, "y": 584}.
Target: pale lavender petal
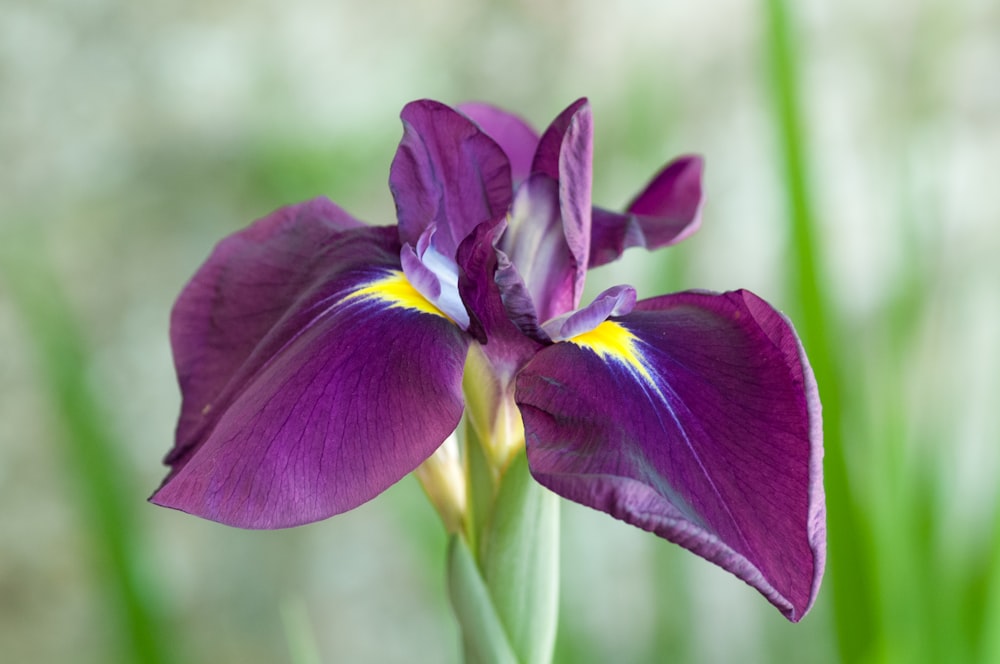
{"x": 511, "y": 133}
{"x": 418, "y": 274}
{"x": 448, "y": 173}
{"x": 304, "y": 397}
{"x": 435, "y": 276}
{"x": 667, "y": 211}
{"x": 615, "y": 301}
{"x": 695, "y": 417}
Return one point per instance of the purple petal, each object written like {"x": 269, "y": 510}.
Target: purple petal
{"x": 435, "y": 276}
{"x": 575, "y": 181}
{"x": 511, "y": 133}
{"x": 448, "y": 173}
{"x": 302, "y": 400}
{"x": 549, "y": 234}
{"x": 565, "y": 153}
{"x": 501, "y": 312}
{"x": 695, "y": 417}
{"x": 214, "y": 334}
{"x": 550, "y": 145}
{"x": 536, "y": 244}
{"x": 667, "y": 211}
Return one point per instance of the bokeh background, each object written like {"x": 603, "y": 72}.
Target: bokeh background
{"x": 852, "y": 151}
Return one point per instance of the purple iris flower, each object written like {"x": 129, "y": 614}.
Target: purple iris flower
{"x": 321, "y": 360}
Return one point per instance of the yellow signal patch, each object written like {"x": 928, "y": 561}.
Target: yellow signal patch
{"x": 611, "y": 341}
{"x": 396, "y": 291}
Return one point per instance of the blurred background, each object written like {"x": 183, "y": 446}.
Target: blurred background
{"x": 852, "y": 154}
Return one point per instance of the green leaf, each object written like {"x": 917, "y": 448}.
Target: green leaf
{"x": 520, "y": 561}
{"x": 484, "y": 636}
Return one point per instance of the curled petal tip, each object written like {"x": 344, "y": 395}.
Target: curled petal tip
{"x": 665, "y": 212}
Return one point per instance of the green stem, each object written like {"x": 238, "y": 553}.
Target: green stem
{"x": 503, "y": 568}
{"x": 520, "y": 562}
{"x": 484, "y": 638}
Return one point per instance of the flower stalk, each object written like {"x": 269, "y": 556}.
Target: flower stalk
{"x": 503, "y": 566}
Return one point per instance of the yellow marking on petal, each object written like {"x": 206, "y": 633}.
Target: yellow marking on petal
{"x": 611, "y": 341}
{"x": 395, "y": 290}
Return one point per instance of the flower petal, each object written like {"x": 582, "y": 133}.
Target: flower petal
{"x": 566, "y": 153}
{"x": 511, "y": 133}
{"x": 502, "y": 315}
{"x": 615, "y": 301}
{"x": 549, "y": 235}
{"x": 695, "y": 417}
{"x": 226, "y": 309}
{"x": 667, "y": 211}
{"x": 435, "y": 276}
{"x": 535, "y": 242}
{"x": 446, "y": 172}
{"x": 314, "y": 375}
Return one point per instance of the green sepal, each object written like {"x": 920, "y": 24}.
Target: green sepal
{"x": 483, "y": 634}
{"x": 519, "y": 554}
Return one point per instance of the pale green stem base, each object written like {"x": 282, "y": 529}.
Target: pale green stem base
{"x": 505, "y": 591}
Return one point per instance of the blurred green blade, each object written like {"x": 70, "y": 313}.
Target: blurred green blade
{"x": 849, "y": 578}
{"x": 485, "y": 639}
{"x": 88, "y": 451}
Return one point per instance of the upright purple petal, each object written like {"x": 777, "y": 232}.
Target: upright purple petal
{"x": 313, "y": 375}
{"x": 566, "y": 153}
{"x": 511, "y": 133}
{"x": 575, "y": 183}
{"x": 446, "y": 172}
{"x": 550, "y": 145}
{"x": 695, "y": 417}
{"x": 536, "y": 244}
{"x": 664, "y": 213}
{"x": 549, "y": 235}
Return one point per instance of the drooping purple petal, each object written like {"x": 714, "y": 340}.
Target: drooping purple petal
{"x": 313, "y": 376}
{"x": 446, "y": 172}
{"x": 667, "y": 211}
{"x": 695, "y": 417}
{"x": 214, "y": 331}
{"x": 511, "y": 133}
